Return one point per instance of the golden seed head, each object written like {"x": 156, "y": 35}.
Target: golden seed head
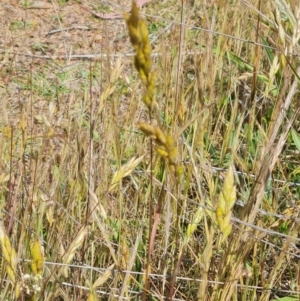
{"x": 226, "y": 201}
{"x": 160, "y": 136}
{"x": 147, "y": 129}
{"x": 134, "y": 14}
{"x": 162, "y": 152}
{"x": 37, "y": 254}
{"x": 144, "y": 32}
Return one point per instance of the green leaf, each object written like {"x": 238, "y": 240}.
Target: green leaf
{"x": 268, "y": 50}
{"x": 296, "y": 139}
{"x": 245, "y": 65}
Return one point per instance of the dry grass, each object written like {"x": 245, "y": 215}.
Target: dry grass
{"x": 93, "y": 210}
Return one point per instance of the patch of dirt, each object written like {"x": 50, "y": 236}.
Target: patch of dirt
{"x": 46, "y": 46}
{"x": 50, "y": 29}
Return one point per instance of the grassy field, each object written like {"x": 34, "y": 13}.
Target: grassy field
{"x": 151, "y": 155}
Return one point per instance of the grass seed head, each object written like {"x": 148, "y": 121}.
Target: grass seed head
{"x": 75, "y": 244}
{"x": 125, "y": 171}
{"x": 139, "y": 38}
{"x": 9, "y": 254}
{"x": 162, "y": 152}
{"x": 37, "y": 254}
{"x": 160, "y": 137}
{"x": 147, "y": 129}
{"x": 92, "y": 296}
{"x": 225, "y": 204}
{"x": 195, "y": 222}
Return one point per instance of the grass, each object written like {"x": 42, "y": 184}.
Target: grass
{"x": 116, "y": 184}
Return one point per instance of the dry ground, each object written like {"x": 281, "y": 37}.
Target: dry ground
{"x": 70, "y": 102}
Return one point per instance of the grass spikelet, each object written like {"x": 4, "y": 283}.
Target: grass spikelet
{"x": 125, "y": 171}
{"x": 198, "y": 215}
{"x": 95, "y": 203}
{"x": 147, "y": 129}
{"x": 17, "y": 290}
{"x": 92, "y": 296}
{"x": 9, "y": 254}
{"x": 125, "y": 254}
{"x": 37, "y": 254}
{"x": 165, "y": 146}
{"x": 104, "y": 277}
{"x": 139, "y": 37}
{"x": 75, "y": 244}
{"x": 225, "y": 204}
